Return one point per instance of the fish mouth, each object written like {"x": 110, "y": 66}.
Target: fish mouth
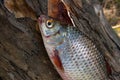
{"x": 41, "y": 18}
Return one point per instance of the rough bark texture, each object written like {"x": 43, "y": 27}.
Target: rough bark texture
{"x": 22, "y": 53}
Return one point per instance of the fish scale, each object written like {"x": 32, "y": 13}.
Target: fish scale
{"x": 73, "y": 54}
{"x": 80, "y": 57}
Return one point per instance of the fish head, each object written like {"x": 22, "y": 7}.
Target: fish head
{"x": 48, "y": 26}
{"x": 52, "y": 31}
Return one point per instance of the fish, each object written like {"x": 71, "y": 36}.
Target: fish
{"x": 73, "y": 54}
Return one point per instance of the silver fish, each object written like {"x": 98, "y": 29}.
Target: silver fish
{"x": 73, "y": 54}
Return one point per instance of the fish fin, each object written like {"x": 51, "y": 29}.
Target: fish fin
{"x": 56, "y": 60}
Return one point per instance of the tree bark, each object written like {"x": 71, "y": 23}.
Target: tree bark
{"x": 22, "y": 53}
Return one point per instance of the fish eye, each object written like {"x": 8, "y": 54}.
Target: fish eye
{"x": 49, "y": 23}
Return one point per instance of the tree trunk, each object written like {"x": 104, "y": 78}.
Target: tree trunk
{"x": 22, "y": 53}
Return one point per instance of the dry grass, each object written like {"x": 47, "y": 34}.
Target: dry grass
{"x": 117, "y": 29}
